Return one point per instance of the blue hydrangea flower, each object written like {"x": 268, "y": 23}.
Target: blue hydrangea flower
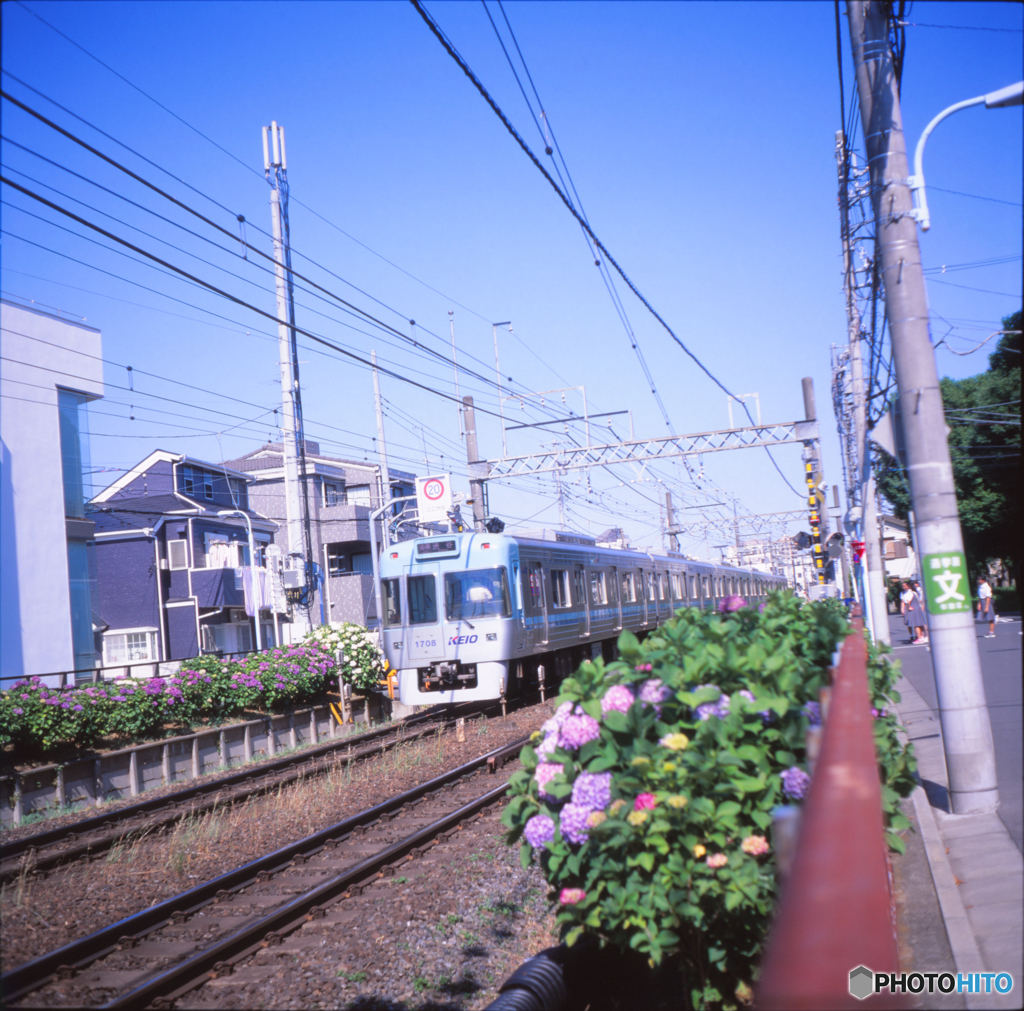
{"x": 795, "y": 782}
{"x": 592, "y": 790}
{"x": 574, "y": 822}
{"x": 539, "y": 830}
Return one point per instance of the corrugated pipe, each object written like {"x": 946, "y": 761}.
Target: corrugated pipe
{"x": 537, "y": 985}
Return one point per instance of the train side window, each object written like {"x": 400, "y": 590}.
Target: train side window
{"x": 537, "y": 586}
{"x": 391, "y": 600}
{"x": 628, "y": 588}
{"x": 677, "y": 586}
{"x": 662, "y": 579}
{"x": 579, "y": 578}
{"x": 560, "y": 588}
{"x": 598, "y": 588}
{"x": 649, "y": 578}
{"x": 613, "y": 586}
{"x": 422, "y": 592}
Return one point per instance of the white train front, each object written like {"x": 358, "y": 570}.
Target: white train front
{"x": 474, "y": 615}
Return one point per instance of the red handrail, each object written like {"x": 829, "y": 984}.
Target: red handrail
{"x": 835, "y": 912}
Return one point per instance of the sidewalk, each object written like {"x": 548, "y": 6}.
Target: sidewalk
{"x": 975, "y": 862}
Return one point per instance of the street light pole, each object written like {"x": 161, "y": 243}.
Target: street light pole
{"x": 257, "y": 595}
{"x": 1001, "y": 99}
{"x": 963, "y": 713}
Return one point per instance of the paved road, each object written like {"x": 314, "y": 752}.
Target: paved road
{"x": 1001, "y": 671}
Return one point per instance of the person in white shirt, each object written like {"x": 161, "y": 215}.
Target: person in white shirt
{"x": 986, "y": 606}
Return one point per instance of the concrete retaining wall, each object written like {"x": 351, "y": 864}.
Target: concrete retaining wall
{"x": 132, "y": 771}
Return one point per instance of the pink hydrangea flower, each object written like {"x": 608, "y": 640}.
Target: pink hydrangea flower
{"x": 577, "y": 730}
{"x": 546, "y": 771}
{"x": 618, "y": 698}
{"x": 755, "y": 845}
{"x": 731, "y": 603}
{"x": 570, "y": 896}
{"x": 645, "y": 802}
{"x": 717, "y": 860}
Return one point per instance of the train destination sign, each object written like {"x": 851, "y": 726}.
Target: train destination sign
{"x": 434, "y": 498}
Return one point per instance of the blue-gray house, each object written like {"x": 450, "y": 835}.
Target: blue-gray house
{"x": 172, "y": 575}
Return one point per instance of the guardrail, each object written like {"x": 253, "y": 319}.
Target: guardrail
{"x": 836, "y": 912}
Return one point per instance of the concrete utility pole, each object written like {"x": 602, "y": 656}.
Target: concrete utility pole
{"x": 877, "y": 611}
{"x": 275, "y": 165}
{"x": 966, "y": 730}
{"x": 476, "y": 485}
{"x": 382, "y": 450}
{"x": 670, "y": 517}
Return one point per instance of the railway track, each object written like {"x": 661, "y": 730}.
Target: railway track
{"x": 157, "y": 955}
{"x": 90, "y": 837}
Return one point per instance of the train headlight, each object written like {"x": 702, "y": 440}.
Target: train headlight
{"x": 492, "y": 636}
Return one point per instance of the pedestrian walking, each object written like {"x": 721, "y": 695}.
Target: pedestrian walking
{"x": 910, "y": 605}
{"x": 986, "y": 606}
{"x": 922, "y": 612}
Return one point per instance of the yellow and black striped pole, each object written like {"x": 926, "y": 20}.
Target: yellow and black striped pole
{"x": 813, "y": 503}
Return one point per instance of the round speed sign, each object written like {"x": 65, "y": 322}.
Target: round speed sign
{"x": 434, "y": 489}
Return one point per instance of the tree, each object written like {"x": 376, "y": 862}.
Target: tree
{"x": 983, "y": 414}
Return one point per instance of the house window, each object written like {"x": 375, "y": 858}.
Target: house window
{"x": 333, "y": 494}
{"x": 358, "y": 494}
{"x": 239, "y": 492}
{"x": 177, "y": 554}
{"x": 74, "y": 449}
{"x": 129, "y": 647}
{"x": 335, "y": 559}
{"x": 560, "y": 588}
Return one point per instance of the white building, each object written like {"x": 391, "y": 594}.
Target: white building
{"x": 897, "y": 552}
{"x": 49, "y": 372}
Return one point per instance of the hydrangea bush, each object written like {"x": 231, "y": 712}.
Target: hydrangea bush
{"x": 40, "y": 720}
{"x": 363, "y": 665}
{"x": 647, "y": 798}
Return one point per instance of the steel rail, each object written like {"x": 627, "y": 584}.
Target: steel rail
{"x": 38, "y": 840}
{"x": 80, "y": 953}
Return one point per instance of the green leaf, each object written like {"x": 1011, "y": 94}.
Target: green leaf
{"x": 616, "y": 722}
{"x": 786, "y": 758}
{"x": 732, "y": 900}
{"x": 525, "y": 855}
{"x": 895, "y": 843}
{"x": 727, "y": 809}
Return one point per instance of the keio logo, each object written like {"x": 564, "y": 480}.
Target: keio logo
{"x": 462, "y": 640}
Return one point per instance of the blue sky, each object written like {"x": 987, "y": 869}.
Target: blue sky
{"x": 700, "y": 140}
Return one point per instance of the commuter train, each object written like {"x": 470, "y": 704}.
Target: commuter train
{"x": 474, "y": 615}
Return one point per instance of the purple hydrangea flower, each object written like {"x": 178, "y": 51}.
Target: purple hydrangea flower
{"x": 618, "y": 699}
{"x": 795, "y": 782}
{"x": 544, "y": 773}
{"x": 546, "y": 748}
{"x": 653, "y": 691}
{"x": 18, "y": 712}
{"x": 813, "y": 713}
{"x": 574, "y": 822}
{"x": 731, "y": 603}
{"x": 577, "y": 730}
{"x": 592, "y": 790}
{"x": 539, "y": 830}
{"x": 720, "y": 708}
{"x": 879, "y": 713}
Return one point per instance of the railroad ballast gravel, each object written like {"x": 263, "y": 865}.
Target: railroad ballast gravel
{"x": 501, "y": 905}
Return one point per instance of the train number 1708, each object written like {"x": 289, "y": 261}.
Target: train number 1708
{"x": 423, "y": 643}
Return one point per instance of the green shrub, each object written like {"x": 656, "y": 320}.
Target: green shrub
{"x": 363, "y": 664}
{"x": 648, "y": 797}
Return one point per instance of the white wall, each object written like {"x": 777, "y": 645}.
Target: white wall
{"x": 35, "y": 610}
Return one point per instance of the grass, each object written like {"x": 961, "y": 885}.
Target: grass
{"x": 351, "y": 977}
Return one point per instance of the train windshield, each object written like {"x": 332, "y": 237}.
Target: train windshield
{"x": 477, "y": 593}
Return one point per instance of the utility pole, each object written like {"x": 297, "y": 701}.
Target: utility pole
{"x": 670, "y": 516}
{"x": 275, "y": 165}
{"x": 476, "y": 484}
{"x": 382, "y": 450}
{"x": 963, "y": 713}
{"x": 874, "y": 569}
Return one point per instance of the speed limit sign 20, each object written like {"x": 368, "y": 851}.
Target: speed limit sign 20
{"x": 434, "y": 497}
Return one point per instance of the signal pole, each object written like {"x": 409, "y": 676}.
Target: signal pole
{"x": 275, "y": 165}
{"x": 963, "y": 713}
{"x": 476, "y": 484}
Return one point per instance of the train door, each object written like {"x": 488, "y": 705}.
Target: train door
{"x": 582, "y": 600}
{"x": 642, "y": 591}
{"x": 518, "y": 605}
{"x": 614, "y": 588}
{"x": 538, "y": 604}
{"x": 422, "y": 632}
